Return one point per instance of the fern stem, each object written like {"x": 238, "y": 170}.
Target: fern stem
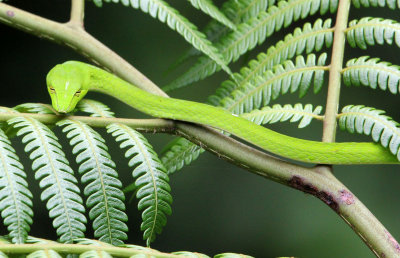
{"x": 77, "y": 13}
{"x": 338, "y": 46}
{"x": 144, "y": 125}
{"x": 78, "y": 249}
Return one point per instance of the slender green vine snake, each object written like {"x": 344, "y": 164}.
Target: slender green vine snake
{"x": 69, "y": 82}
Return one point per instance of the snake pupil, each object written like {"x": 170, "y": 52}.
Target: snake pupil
{"x": 78, "y": 93}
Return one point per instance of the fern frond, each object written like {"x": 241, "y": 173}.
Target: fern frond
{"x": 309, "y": 39}
{"x": 370, "y": 121}
{"x": 232, "y": 255}
{"x": 237, "y": 11}
{"x": 94, "y": 108}
{"x": 169, "y": 15}
{"x": 179, "y": 152}
{"x": 392, "y": 4}
{"x": 191, "y": 254}
{"x": 252, "y": 33}
{"x": 370, "y": 31}
{"x": 103, "y": 188}
{"x": 95, "y": 254}
{"x": 278, "y": 113}
{"x": 15, "y": 197}
{"x": 44, "y": 254}
{"x": 56, "y": 178}
{"x": 284, "y": 78}
{"x": 208, "y": 7}
{"x": 153, "y": 190}
{"x": 365, "y": 71}
{"x": 38, "y": 108}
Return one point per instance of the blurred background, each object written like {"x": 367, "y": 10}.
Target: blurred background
{"x": 217, "y": 207}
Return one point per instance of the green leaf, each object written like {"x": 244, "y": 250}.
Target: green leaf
{"x": 365, "y": 71}
{"x": 15, "y": 197}
{"x": 289, "y": 77}
{"x": 167, "y": 14}
{"x": 370, "y": 31}
{"x": 153, "y": 190}
{"x": 37, "y": 108}
{"x": 392, "y": 4}
{"x": 179, "y": 152}
{"x": 103, "y": 188}
{"x": 94, "y": 108}
{"x": 44, "y": 254}
{"x": 373, "y": 122}
{"x": 190, "y": 254}
{"x": 309, "y": 39}
{"x": 232, "y": 255}
{"x": 278, "y": 113}
{"x": 208, "y": 7}
{"x": 252, "y": 33}
{"x": 56, "y": 178}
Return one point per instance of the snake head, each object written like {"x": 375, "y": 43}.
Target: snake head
{"x": 66, "y": 85}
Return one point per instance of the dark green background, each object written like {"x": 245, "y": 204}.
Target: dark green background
{"x": 217, "y": 207}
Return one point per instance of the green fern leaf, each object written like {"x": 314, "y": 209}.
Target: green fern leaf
{"x": 179, "y": 152}
{"x": 370, "y": 121}
{"x": 232, "y": 255}
{"x": 44, "y": 254}
{"x": 252, "y": 33}
{"x": 15, "y": 197}
{"x": 191, "y": 254}
{"x": 309, "y": 39}
{"x": 208, "y": 7}
{"x": 365, "y": 71}
{"x": 166, "y": 14}
{"x": 103, "y": 188}
{"x": 56, "y": 178}
{"x": 38, "y": 108}
{"x": 277, "y": 113}
{"x": 392, "y": 4}
{"x": 95, "y": 254}
{"x": 94, "y": 108}
{"x": 153, "y": 190}
{"x": 237, "y": 11}
{"x": 370, "y": 31}
{"x": 284, "y": 78}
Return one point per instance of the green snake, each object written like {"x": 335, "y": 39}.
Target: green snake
{"x": 69, "y": 82}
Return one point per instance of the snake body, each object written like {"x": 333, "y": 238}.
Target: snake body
{"x": 69, "y": 82}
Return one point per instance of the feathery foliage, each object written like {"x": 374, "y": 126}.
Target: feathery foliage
{"x": 365, "y": 71}
{"x": 37, "y": 108}
{"x": 392, "y": 4}
{"x": 44, "y": 254}
{"x": 94, "y": 108}
{"x": 278, "y": 113}
{"x": 252, "y": 33}
{"x": 309, "y": 39}
{"x": 167, "y": 14}
{"x": 105, "y": 198}
{"x": 208, "y": 7}
{"x": 287, "y": 77}
{"x": 369, "y": 31}
{"x": 56, "y": 178}
{"x": 153, "y": 190}
{"x": 179, "y": 152}
{"x": 370, "y": 121}
{"x": 15, "y": 197}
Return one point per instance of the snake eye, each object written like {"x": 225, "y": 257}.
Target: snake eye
{"x": 77, "y": 93}
{"x": 52, "y": 90}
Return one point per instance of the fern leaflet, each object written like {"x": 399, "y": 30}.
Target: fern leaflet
{"x": 208, "y": 7}
{"x": 278, "y": 113}
{"x": 44, "y": 254}
{"x": 392, "y": 4}
{"x": 179, "y": 152}
{"x": 15, "y": 197}
{"x": 365, "y": 71}
{"x": 166, "y": 14}
{"x": 368, "y": 31}
{"x": 251, "y": 33}
{"x": 370, "y": 121}
{"x": 94, "y": 108}
{"x": 289, "y": 76}
{"x": 37, "y": 108}
{"x": 103, "y": 188}
{"x": 153, "y": 190}
{"x": 309, "y": 39}
{"x": 56, "y": 178}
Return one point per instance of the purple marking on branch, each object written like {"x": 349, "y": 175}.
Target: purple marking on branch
{"x": 393, "y": 241}
{"x": 10, "y": 13}
{"x": 346, "y": 197}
